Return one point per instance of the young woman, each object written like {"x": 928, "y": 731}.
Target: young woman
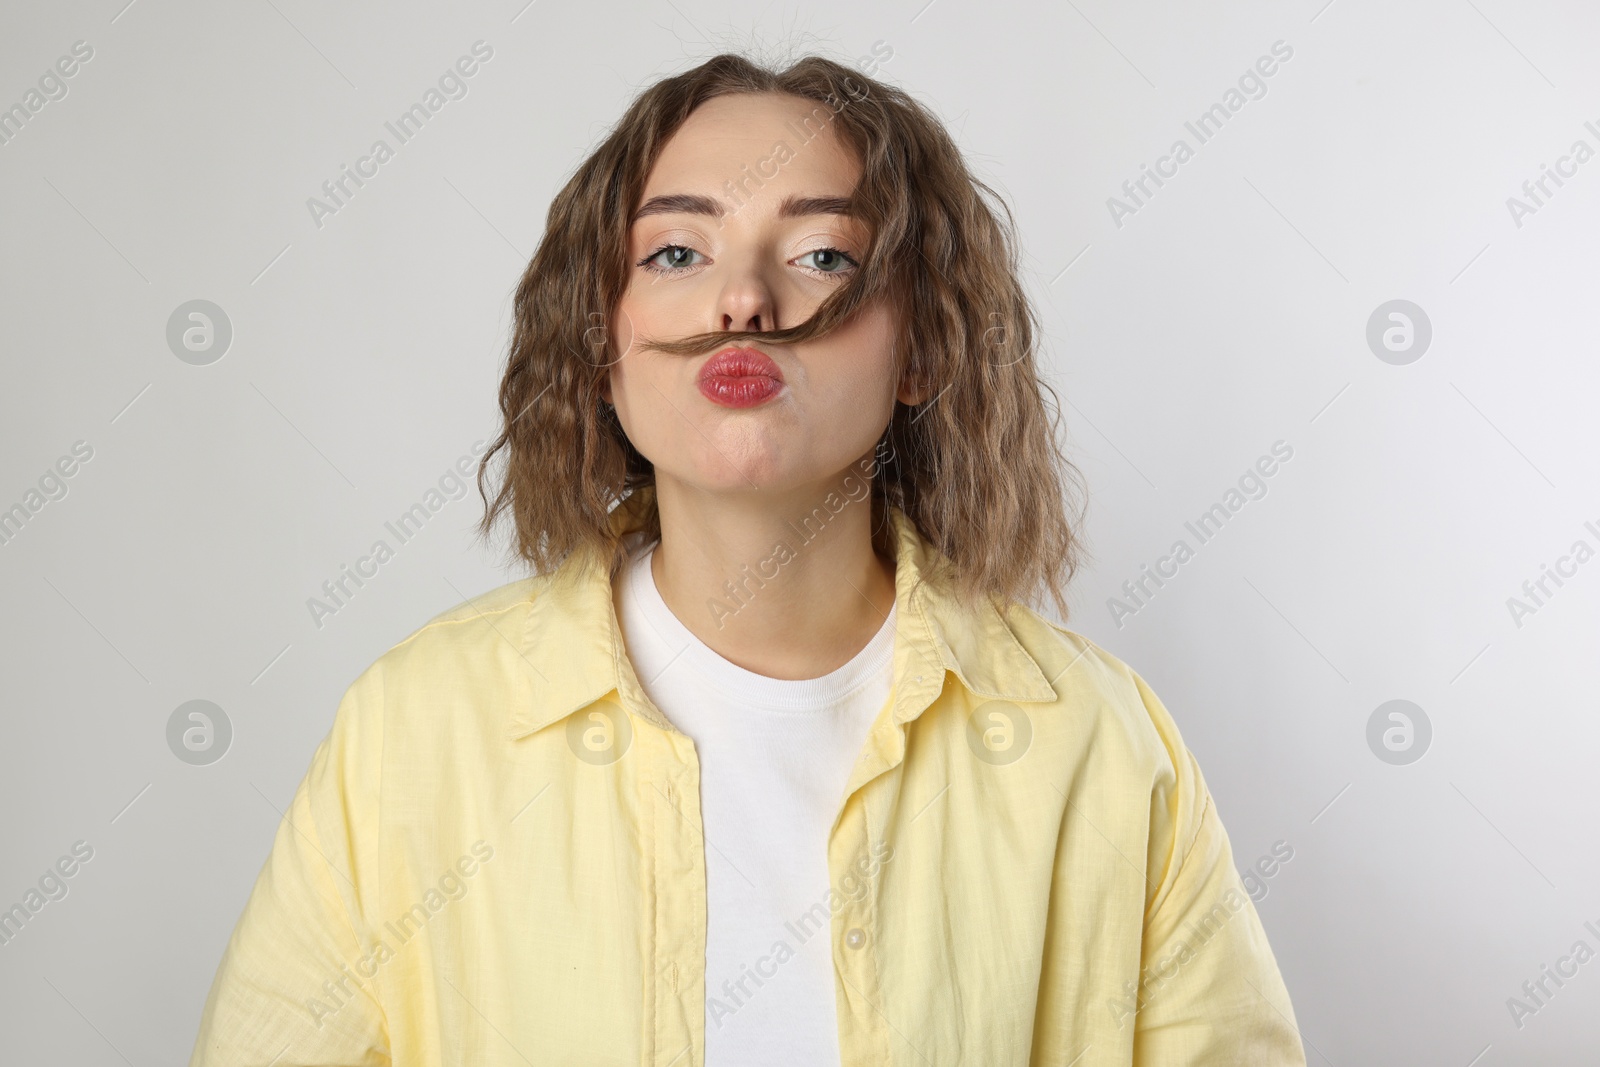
{"x": 770, "y": 762}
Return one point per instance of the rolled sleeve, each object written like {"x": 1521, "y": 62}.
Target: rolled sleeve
{"x": 292, "y": 987}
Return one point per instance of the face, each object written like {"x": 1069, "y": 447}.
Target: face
{"x": 752, "y": 265}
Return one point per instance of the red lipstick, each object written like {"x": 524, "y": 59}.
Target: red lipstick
{"x": 740, "y": 378}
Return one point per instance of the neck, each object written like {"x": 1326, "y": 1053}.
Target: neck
{"x": 774, "y": 582}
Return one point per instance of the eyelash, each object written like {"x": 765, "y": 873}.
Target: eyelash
{"x": 647, "y": 264}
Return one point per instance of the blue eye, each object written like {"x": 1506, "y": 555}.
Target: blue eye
{"x": 677, "y": 258}
{"x": 833, "y": 261}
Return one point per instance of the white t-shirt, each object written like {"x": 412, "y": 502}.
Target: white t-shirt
{"x": 775, "y": 756}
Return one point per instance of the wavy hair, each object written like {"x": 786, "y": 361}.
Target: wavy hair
{"x": 975, "y": 465}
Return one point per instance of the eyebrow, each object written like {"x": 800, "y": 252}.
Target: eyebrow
{"x": 791, "y": 207}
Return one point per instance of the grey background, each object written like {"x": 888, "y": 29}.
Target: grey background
{"x": 1228, "y": 313}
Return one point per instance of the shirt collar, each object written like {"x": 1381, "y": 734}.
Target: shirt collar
{"x": 574, "y": 644}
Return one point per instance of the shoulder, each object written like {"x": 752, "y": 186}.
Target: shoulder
{"x": 446, "y": 687}
{"x": 1091, "y": 683}
{"x": 469, "y": 618}
{"x": 478, "y": 635}
{"x": 1130, "y": 744}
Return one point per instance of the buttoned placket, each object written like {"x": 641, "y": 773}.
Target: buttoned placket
{"x": 675, "y": 890}
{"x": 855, "y": 966}
{"x": 669, "y": 769}
{"x": 865, "y": 1039}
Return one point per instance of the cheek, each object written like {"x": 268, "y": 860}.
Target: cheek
{"x": 647, "y": 311}
{"x": 620, "y": 333}
{"x": 862, "y": 355}
{"x": 652, "y": 302}
{"x": 634, "y": 378}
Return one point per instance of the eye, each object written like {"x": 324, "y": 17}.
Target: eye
{"x": 677, "y": 259}
{"x": 831, "y": 261}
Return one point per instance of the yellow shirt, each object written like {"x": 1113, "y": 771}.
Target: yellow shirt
{"x": 496, "y": 859}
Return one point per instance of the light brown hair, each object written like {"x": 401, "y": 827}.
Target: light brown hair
{"x": 976, "y": 465}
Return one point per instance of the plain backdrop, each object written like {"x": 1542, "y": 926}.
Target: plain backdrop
{"x": 1189, "y": 331}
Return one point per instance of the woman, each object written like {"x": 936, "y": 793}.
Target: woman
{"x": 770, "y": 762}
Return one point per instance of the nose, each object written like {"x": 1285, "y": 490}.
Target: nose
{"x": 746, "y": 303}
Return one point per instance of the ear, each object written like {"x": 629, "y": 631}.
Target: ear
{"x": 912, "y": 393}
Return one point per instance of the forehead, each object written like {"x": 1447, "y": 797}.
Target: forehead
{"x": 732, "y": 146}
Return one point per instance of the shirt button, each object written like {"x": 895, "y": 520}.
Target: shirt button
{"x": 856, "y": 937}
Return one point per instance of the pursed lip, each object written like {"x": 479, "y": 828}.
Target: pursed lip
{"x": 740, "y": 363}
